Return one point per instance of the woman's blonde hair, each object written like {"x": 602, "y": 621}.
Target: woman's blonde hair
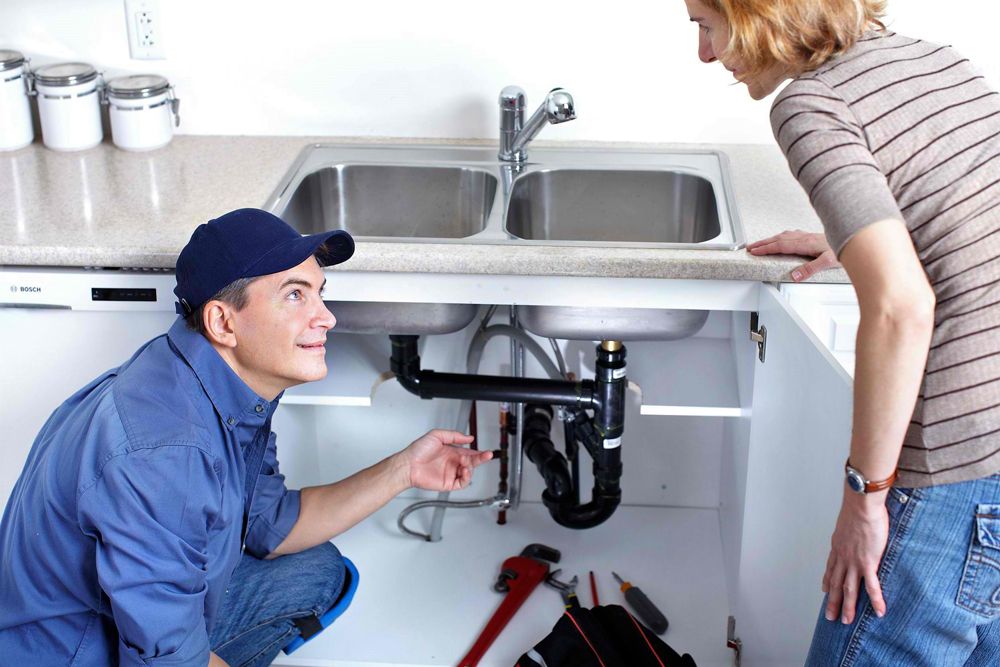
{"x": 801, "y": 34}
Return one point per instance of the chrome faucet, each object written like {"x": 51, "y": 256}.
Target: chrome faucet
{"x": 515, "y": 133}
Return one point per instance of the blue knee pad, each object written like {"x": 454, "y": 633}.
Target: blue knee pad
{"x": 315, "y": 625}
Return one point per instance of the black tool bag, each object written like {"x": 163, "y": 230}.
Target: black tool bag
{"x": 605, "y": 636}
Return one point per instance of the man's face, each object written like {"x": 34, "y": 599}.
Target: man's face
{"x": 281, "y": 332}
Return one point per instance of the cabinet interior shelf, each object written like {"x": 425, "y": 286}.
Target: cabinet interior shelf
{"x": 688, "y": 377}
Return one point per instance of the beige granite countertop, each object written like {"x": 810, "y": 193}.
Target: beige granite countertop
{"x": 107, "y": 207}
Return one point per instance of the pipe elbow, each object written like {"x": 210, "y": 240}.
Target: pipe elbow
{"x": 410, "y": 383}
{"x": 581, "y": 517}
{"x": 405, "y": 362}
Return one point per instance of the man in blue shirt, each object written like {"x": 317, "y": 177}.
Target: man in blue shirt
{"x": 123, "y": 540}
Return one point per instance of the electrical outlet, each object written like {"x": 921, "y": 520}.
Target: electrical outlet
{"x": 145, "y": 32}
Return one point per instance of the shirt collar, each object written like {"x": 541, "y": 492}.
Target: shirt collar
{"x": 233, "y": 399}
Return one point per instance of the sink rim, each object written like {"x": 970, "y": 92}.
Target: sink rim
{"x": 315, "y": 156}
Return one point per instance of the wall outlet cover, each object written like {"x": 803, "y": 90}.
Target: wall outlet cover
{"x": 145, "y": 31}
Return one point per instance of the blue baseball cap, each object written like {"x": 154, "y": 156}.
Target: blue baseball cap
{"x": 247, "y": 243}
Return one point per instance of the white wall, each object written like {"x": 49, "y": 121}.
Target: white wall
{"x": 434, "y": 68}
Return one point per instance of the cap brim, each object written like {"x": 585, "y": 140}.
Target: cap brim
{"x": 328, "y": 247}
{"x": 333, "y": 247}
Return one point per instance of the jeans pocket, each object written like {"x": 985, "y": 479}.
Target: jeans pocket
{"x": 979, "y": 590}
{"x": 897, "y": 501}
{"x": 899, "y": 505}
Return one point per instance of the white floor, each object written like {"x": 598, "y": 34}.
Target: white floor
{"x": 423, "y": 604}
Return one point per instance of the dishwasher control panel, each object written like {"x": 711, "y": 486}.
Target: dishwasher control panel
{"x": 86, "y": 289}
{"x": 123, "y": 294}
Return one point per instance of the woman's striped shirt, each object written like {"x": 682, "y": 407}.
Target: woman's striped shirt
{"x": 901, "y": 128}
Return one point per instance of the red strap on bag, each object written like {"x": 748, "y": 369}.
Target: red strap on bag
{"x": 584, "y": 635}
{"x": 652, "y": 651}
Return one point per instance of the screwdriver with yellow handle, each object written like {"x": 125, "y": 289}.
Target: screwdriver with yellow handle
{"x": 643, "y": 606}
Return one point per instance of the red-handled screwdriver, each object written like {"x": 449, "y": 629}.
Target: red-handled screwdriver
{"x": 643, "y": 606}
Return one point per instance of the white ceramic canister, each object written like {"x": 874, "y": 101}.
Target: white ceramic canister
{"x": 69, "y": 106}
{"x": 143, "y": 111}
{"x": 16, "y": 130}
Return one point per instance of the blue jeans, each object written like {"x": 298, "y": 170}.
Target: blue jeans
{"x": 940, "y": 577}
{"x": 264, "y": 597}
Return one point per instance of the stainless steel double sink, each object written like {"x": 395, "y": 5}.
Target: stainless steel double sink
{"x": 560, "y": 197}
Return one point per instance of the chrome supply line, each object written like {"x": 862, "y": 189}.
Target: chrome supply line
{"x": 515, "y": 458}
{"x": 498, "y": 501}
{"x": 461, "y": 425}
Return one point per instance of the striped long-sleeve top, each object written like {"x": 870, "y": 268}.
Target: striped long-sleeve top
{"x": 901, "y": 128}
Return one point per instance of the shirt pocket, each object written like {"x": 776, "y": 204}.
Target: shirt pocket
{"x": 979, "y": 590}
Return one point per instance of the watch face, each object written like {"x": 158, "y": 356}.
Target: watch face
{"x": 855, "y": 481}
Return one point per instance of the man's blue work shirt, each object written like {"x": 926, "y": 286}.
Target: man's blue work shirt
{"x": 124, "y": 528}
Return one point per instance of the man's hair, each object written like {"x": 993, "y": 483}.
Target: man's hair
{"x": 235, "y": 294}
{"x": 801, "y": 34}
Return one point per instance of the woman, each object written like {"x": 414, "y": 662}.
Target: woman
{"x": 897, "y": 143}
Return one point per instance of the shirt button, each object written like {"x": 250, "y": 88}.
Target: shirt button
{"x": 231, "y": 421}
{"x": 260, "y": 408}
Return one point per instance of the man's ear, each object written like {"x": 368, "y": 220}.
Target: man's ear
{"x": 220, "y": 327}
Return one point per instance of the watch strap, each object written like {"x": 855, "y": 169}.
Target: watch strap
{"x": 880, "y": 485}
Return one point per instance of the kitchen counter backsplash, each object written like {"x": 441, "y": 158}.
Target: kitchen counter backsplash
{"x": 110, "y": 208}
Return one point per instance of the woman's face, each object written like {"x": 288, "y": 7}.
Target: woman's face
{"x": 713, "y": 36}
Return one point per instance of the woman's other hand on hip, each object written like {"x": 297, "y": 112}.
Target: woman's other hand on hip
{"x": 856, "y": 549}
{"x": 798, "y": 242}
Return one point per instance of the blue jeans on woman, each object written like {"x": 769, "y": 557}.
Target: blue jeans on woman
{"x": 266, "y": 597}
{"x": 940, "y": 577}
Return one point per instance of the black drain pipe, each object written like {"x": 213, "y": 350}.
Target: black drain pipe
{"x": 541, "y": 451}
{"x": 405, "y": 363}
{"x": 600, "y": 434}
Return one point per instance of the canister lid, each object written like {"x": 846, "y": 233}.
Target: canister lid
{"x": 137, "y": 86}
{"x": 65, "y": 74}
{"x": 10, "y": 59}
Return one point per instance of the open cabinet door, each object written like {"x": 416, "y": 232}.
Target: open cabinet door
{"x": 799, "y": 439}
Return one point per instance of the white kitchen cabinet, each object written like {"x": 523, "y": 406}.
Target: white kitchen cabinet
{"x": 799, "y": 440}
{"x": 831, "y": 311}
{"x": 732, "y": 480}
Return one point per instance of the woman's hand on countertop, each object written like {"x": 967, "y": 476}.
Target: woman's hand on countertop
{"x": 798, "y": 242}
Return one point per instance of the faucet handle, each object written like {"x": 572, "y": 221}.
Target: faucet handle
{"x": 559, "y": 106}
{"x": 513, "y": 98}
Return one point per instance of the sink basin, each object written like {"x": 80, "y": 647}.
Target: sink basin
{"x": 624, "y": 324}
{"x": 606, "y": 206}
{"x": 393, "y": 201}
{"x": 449, "y": 194}
{"x": 413, "y": 319}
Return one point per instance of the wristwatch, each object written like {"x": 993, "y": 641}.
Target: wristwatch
{"x": 860, "y": 484}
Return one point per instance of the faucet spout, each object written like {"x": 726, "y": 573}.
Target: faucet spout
{"x": 515, "y": 134}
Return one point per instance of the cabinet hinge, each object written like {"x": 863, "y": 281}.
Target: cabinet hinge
{"x": 733, "y": 642}
{"x": 759, "y": 336}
